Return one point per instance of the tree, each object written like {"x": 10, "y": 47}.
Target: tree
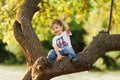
{"x": 35, "y": 54}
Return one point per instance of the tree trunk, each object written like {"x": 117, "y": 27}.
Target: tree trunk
{"x": 35, "y": 55}
{"x": 25, "y": 34}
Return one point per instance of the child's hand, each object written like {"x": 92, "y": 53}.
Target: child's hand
{"x": 59, "y": 57}
{"x": 63, "y": 17}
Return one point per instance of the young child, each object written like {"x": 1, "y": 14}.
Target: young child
{"x": 61, "y": 42}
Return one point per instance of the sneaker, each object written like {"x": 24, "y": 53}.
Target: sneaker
{"x": 74, "y": 59}
{"x": 50, "y": 61}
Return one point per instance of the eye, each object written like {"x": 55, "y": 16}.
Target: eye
{"x": 53, "y": 29}
{"x": 56, "y": 27}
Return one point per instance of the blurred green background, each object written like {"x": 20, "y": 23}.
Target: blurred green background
{"x": 85, "y": 18}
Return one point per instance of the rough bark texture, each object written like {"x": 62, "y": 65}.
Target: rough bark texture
{"x": 25, "y": 34}
{"x": 101, "y": 44}
{"x": 38, "y": 69}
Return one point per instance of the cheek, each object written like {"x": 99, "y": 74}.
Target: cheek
{"x": 60, "y": 29}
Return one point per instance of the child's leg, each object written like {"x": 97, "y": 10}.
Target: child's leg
{"x": 70, "y": 52}
{"x": 51, "y": 56}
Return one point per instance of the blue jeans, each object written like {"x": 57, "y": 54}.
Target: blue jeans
{"x": 68, "y": 51}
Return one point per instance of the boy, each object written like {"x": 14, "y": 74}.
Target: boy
{"x": 61, "y": 42}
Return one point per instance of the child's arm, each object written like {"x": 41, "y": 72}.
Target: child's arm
{"x": 59, "y": 56}
{"x": 62, "y": 19}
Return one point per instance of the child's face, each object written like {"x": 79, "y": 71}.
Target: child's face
{"x": 56, "y": 29}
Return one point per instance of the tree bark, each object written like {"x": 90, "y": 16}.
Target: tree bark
{"x": 101, "y": 44}
{"x": 25, "y": 34}
{"x": 34, "y": 53}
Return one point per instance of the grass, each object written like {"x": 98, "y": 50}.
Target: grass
{"x": 11, "y": 72}
{"x": 107, "y": 75}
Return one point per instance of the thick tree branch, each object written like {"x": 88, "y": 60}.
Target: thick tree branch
{"x": 27, "y": 75}
{"x": 101, "y": 44}
{"x": 28, "y": 9}
{"x": 25, "y": 34}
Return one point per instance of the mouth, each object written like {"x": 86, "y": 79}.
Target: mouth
{"x": 56, "y": 32}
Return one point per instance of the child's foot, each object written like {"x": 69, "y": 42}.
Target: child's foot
{"x": 74, "y": 60}
{"x": 50, "y": 61}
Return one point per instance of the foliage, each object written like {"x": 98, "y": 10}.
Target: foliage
{"x": 50, "y": 10}
{"x": 8, "y": 12}
{"x": 8, "y": 57}
{"x": 97, "y": 22}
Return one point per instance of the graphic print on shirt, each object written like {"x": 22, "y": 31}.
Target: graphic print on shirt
{"x": 61, "y": 43}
